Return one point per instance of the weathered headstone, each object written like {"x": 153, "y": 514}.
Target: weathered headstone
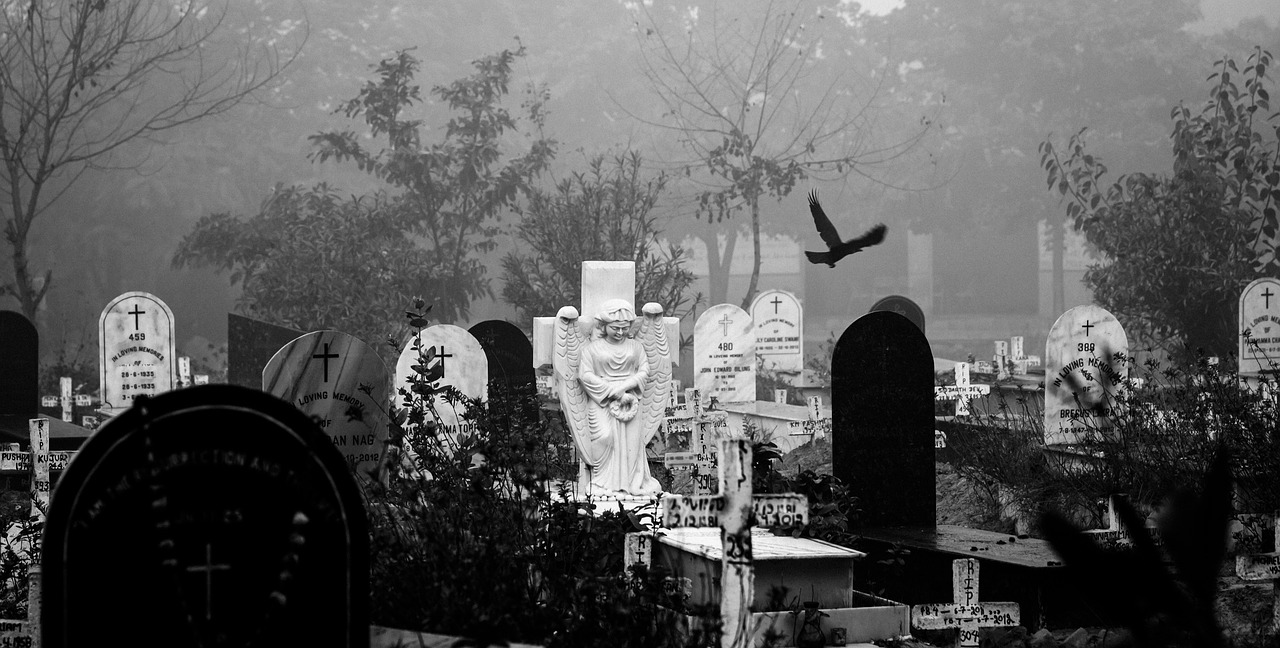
{"x": 1114, "y": 535}
{"x": 509, "y": 352}
{"x": 343, "y": 385}
{"x": 779, "y": 327}
{"x": 903, "y": 306}
{"x": 223, "y": 513}
{"x": 966, "y": 612}
{"x": 250, "y": 345}
{"x": 19, "y": 373}
{"x": 705, "y": 429}
{"x": 882, "y": 419}
{"x": 1260, "y": 327}
{"x": 724, "y": 358}
{"x": 461, "y": 363}
{"x": 137, "y": 349}
{"x": 1085, "y": 367}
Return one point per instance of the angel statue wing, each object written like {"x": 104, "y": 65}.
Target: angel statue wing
{"x": 656, "y": 393}
{"x": 573, "y": 399}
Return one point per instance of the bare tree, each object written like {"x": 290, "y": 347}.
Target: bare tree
{"x": 81, "y": 79}
{"x": 761, "y": 96}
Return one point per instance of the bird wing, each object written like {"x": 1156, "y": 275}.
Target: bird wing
{"x": 825, "y": 229}
{"x": 872, "y": 237}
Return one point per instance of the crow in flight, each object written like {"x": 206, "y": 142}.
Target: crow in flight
{"x": 837, "y": 249}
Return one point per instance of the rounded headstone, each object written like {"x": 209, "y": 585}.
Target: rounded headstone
{"x": 216, "y": 516}
{"x": 903, "y": 306}
{"x": 1259, "y": 352}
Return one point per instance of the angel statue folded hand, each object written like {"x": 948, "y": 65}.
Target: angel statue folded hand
{"x": 613, "y": 391}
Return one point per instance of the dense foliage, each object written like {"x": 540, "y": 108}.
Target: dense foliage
{"x": 1169, "y": 421}
{"x": 1178, "y": 249}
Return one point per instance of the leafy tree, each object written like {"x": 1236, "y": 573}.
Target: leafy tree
{"x": 602, "y": 214}
{"x": 313, "y": 259}
{"x": 742, "y": 92}
{"x": 81, "y": 80}
{"x": 1178, "y": 249}
{"x": 451, "y": 193}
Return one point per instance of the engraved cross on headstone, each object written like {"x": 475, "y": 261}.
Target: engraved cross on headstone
{"x": 325, "y": 356}
{"x": 208, "y": 568}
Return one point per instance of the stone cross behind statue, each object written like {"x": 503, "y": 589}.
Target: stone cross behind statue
{"x": 965, "y": 611}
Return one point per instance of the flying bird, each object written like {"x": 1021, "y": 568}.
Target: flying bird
{"x": 836, "y": 248}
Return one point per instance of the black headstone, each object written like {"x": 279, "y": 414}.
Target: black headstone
{"x": 509, "y": 352}
{"x": 250, "y": 345}
{"x": 211, "y": 516}
{"x": 902, "y": 306}
{"x": 882, "y": 419}
{"x": 19, "y": 375}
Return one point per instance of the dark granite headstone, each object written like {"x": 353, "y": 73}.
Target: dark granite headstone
{"x": 250, "y": 345}
{"x": 882, "y": 419}
{"x": 209, "y": 516}
{"x": 903, "y": 306}
{"x": 19, "y": 375}
{"x": 509, "y": 352}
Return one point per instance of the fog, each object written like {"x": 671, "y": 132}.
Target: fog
{"x": 973, "y": 186}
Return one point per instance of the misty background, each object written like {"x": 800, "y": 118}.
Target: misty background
{"x": 967, "y": 207}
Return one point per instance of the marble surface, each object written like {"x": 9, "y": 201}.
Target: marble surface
{"x": 463, "y": 364}
{"x": 136, "y": 347}
{"x": 778, "y": 317}
{"x": 724, "y": 358}
{"x": 1082, "y": 373}
{"x": 1260, "y": 316}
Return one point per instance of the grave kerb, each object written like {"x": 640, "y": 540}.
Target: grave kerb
{"x": 1264, "y": 567}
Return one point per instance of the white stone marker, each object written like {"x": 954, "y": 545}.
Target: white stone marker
{"x": 1085, "y": 367}
{"x": 461, "y": 363}
{"x": 26, "y": 633}
{"x": 343, "y": 385}
{"x": 136, "y": 350}
{"x": 706, "y": 428}
{"x": 1259, "y": 352}
{"x": 966, "y": 611}
{"x": 1264, "y": 567}
{"x": 960, "y": 392}
{"x": 724, "y": 357}
{"x": 779, "y": 327}
{"x": 732, "y": 510}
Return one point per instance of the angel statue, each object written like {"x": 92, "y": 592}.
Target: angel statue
{"x": 613, "y": 391}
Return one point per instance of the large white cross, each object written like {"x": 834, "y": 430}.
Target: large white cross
{"x": 735, "y": 510}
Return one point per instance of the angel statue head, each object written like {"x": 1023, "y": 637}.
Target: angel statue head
{"x": 614, "y": 319}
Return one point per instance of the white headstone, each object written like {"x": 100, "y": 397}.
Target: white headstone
{"x": 461, "y": 363}
{"x": 724, "y": 359}
{"x": 1260, "y": 317}
{"x": 1085, "y": 366}
{"x": 779, "y": 326}
{"x": 136, "y": 344}
{"x": 341, "y": 383}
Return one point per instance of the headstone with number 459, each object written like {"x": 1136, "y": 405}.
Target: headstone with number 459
{"x": 137, "y": 349}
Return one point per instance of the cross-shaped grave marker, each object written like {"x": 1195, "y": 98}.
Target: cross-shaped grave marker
{"x": 735, "y": 510}
{"x": 207, "y": 569}
{"x": 962, "y": 391}
{"x": 965, "y": 611}
{"x": 26, "y": 633}
{"x": 816, "y": 425}
{"x": 705, "y": 426}
{"x": 1262, "y": 567}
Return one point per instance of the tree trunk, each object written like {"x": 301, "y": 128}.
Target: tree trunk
{"x": 1057, "y": 243}
{"x": 718, "y": 263}
{"x": 755, "y": 255}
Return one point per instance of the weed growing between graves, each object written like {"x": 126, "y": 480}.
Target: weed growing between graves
{"x": 15, "y": 514}
{"x": 1167, "y": 422}
{"x": 473, "y": 532}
